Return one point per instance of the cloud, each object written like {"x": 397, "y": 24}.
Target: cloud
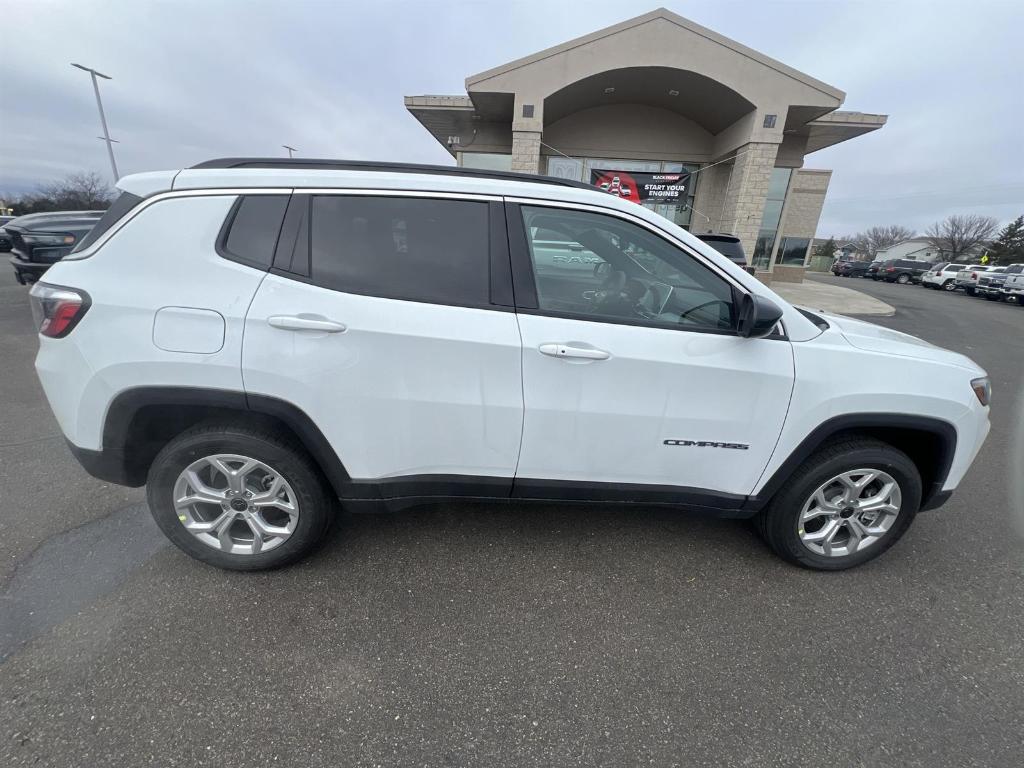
{"x": 195, "y": 80}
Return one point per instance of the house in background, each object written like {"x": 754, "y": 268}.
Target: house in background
{"x": 914, "y": 248}
{"x": 922, "y": 249}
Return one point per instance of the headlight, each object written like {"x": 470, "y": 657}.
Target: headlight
{"x": 983, "y": 389}
{"x": 56, "y": 239}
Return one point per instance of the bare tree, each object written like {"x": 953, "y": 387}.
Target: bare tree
{"x": 958, "y": 234}
{"x": 872, "y": 240}
{"x": 76, "y": 192}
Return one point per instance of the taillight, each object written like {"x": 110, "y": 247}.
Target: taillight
{"x": 974, "y": 275}
{"x": 56, "y": 309}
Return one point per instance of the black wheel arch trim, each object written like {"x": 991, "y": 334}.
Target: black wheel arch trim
{"x": 943, "y": 431}
{"x": 127, "y": 404}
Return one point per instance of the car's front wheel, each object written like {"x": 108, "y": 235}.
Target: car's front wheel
{"x": 949, "y": 285}
{"x": 845, "y": 505}
{"x": 239, "y": 497}
{"x": 903, "y": 279}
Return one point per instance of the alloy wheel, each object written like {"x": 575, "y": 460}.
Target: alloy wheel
{"x": 849, "y": 513}
{"x": 236, "y": 504}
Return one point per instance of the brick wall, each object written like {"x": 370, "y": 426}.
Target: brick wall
{"x": 526, "y": 151}
{"x": 746, "y": 192}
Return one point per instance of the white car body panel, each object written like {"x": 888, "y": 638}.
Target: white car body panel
{"x": 968, "y": 277}
{"x": 1014, "y": 286}
{"x": 153, "y": 263}
{"x": 408, "y": 388}
{"x": 949, "y": 272}
{"x": 608, "y": 420}
{"x": 890, "y": 380}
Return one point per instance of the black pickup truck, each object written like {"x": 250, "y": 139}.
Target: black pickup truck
{"x": 39, "y": 240}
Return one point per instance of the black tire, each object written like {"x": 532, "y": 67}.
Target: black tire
{"x": 778, "y": 523}
{"x": 949, "y": 285}
{"x": 316, "y": 503}
{"x": 903, "y": 279}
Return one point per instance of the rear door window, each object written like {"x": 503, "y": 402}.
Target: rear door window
{"x": 410, "y": 248}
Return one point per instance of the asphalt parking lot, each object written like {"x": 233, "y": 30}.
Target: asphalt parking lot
{"x": 542, "y": 635}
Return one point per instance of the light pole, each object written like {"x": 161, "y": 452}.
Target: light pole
{"x": 290, "y": 149}
{"x": 103, "y": 118}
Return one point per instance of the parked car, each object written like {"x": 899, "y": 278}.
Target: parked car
{"x": 903, "y": 271}
{"x": 967, "y": 278}
{"x": 727, "y": 245}
{"x": 39, "y": 240}
{"x": 292, "y": 333}
{"x": 990, "y": 284}
{"x": 5, "y": 239}
{"x": 941, "y": 276}
{"x": 873, "y": 269}
{"x": 1013, "y": 288}
{"x": 851, "y": 268}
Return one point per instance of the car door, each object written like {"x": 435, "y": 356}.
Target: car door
{"x": 384, "y": 321}
{"x": 635, "y": 383}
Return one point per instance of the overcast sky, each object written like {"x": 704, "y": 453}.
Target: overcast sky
{"x": 195, "y": 80}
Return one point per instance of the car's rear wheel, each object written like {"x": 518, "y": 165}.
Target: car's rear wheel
{"x": 238, "y": 497}
{"x": 903, "y": 279}
{"x": 949, "y": 285}
{"x": 845, "y": 505}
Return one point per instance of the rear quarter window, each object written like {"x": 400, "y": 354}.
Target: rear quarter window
{"x": 252, "y": 228}
{"x": 117, "y": 211}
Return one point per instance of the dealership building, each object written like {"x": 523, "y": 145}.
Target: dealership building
{"x": 660, "y": 97}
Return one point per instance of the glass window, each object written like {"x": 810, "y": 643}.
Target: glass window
{"x": 487, "y": 161}
{"x": 255, "y": 227}
{"x": 778, "y": 183}
{"x": 600, "y": 267}
{"x": 772, "y": 213}
{"x": 120, "y": 208}
{"x": 793, "y": 250}
{"x": 402, "y": 248}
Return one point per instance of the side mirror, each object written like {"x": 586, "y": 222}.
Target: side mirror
{"x": 758, "y": 316}
{"x": 602, "y": 270}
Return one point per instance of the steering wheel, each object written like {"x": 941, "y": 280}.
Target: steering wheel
{"x": 701, "y": 306}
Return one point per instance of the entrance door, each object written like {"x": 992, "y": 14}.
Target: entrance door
{"x": 634, "y": 378}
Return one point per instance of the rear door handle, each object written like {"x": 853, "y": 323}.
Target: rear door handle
{"x": 571, "y": 350}
{"x": 299, "y": 323}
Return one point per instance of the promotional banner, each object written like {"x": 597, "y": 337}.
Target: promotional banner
{"x": 643, "y": 187}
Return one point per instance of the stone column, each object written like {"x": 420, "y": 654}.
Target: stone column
{"x": 526, "y": 151}
{"x": 710, "y": 198}
{"x": 746, "y": 192}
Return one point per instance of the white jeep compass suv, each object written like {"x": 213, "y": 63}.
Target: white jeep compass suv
{"x": 257, "y": 339}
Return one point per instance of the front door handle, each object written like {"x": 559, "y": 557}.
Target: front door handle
{"x": 309, "y": 323}
{"x": 572, "y": 350}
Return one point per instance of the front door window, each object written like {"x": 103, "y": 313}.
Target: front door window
{"x": 596, "y": 267}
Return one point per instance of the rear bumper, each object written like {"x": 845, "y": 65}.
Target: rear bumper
{"x": 108, "y": 465}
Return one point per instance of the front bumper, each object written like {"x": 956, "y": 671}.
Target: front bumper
{"x": 28, "y": 271}
{"x": 935, "y": 500}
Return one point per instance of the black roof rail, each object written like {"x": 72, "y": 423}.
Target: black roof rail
{"x": 299, "y": 163}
